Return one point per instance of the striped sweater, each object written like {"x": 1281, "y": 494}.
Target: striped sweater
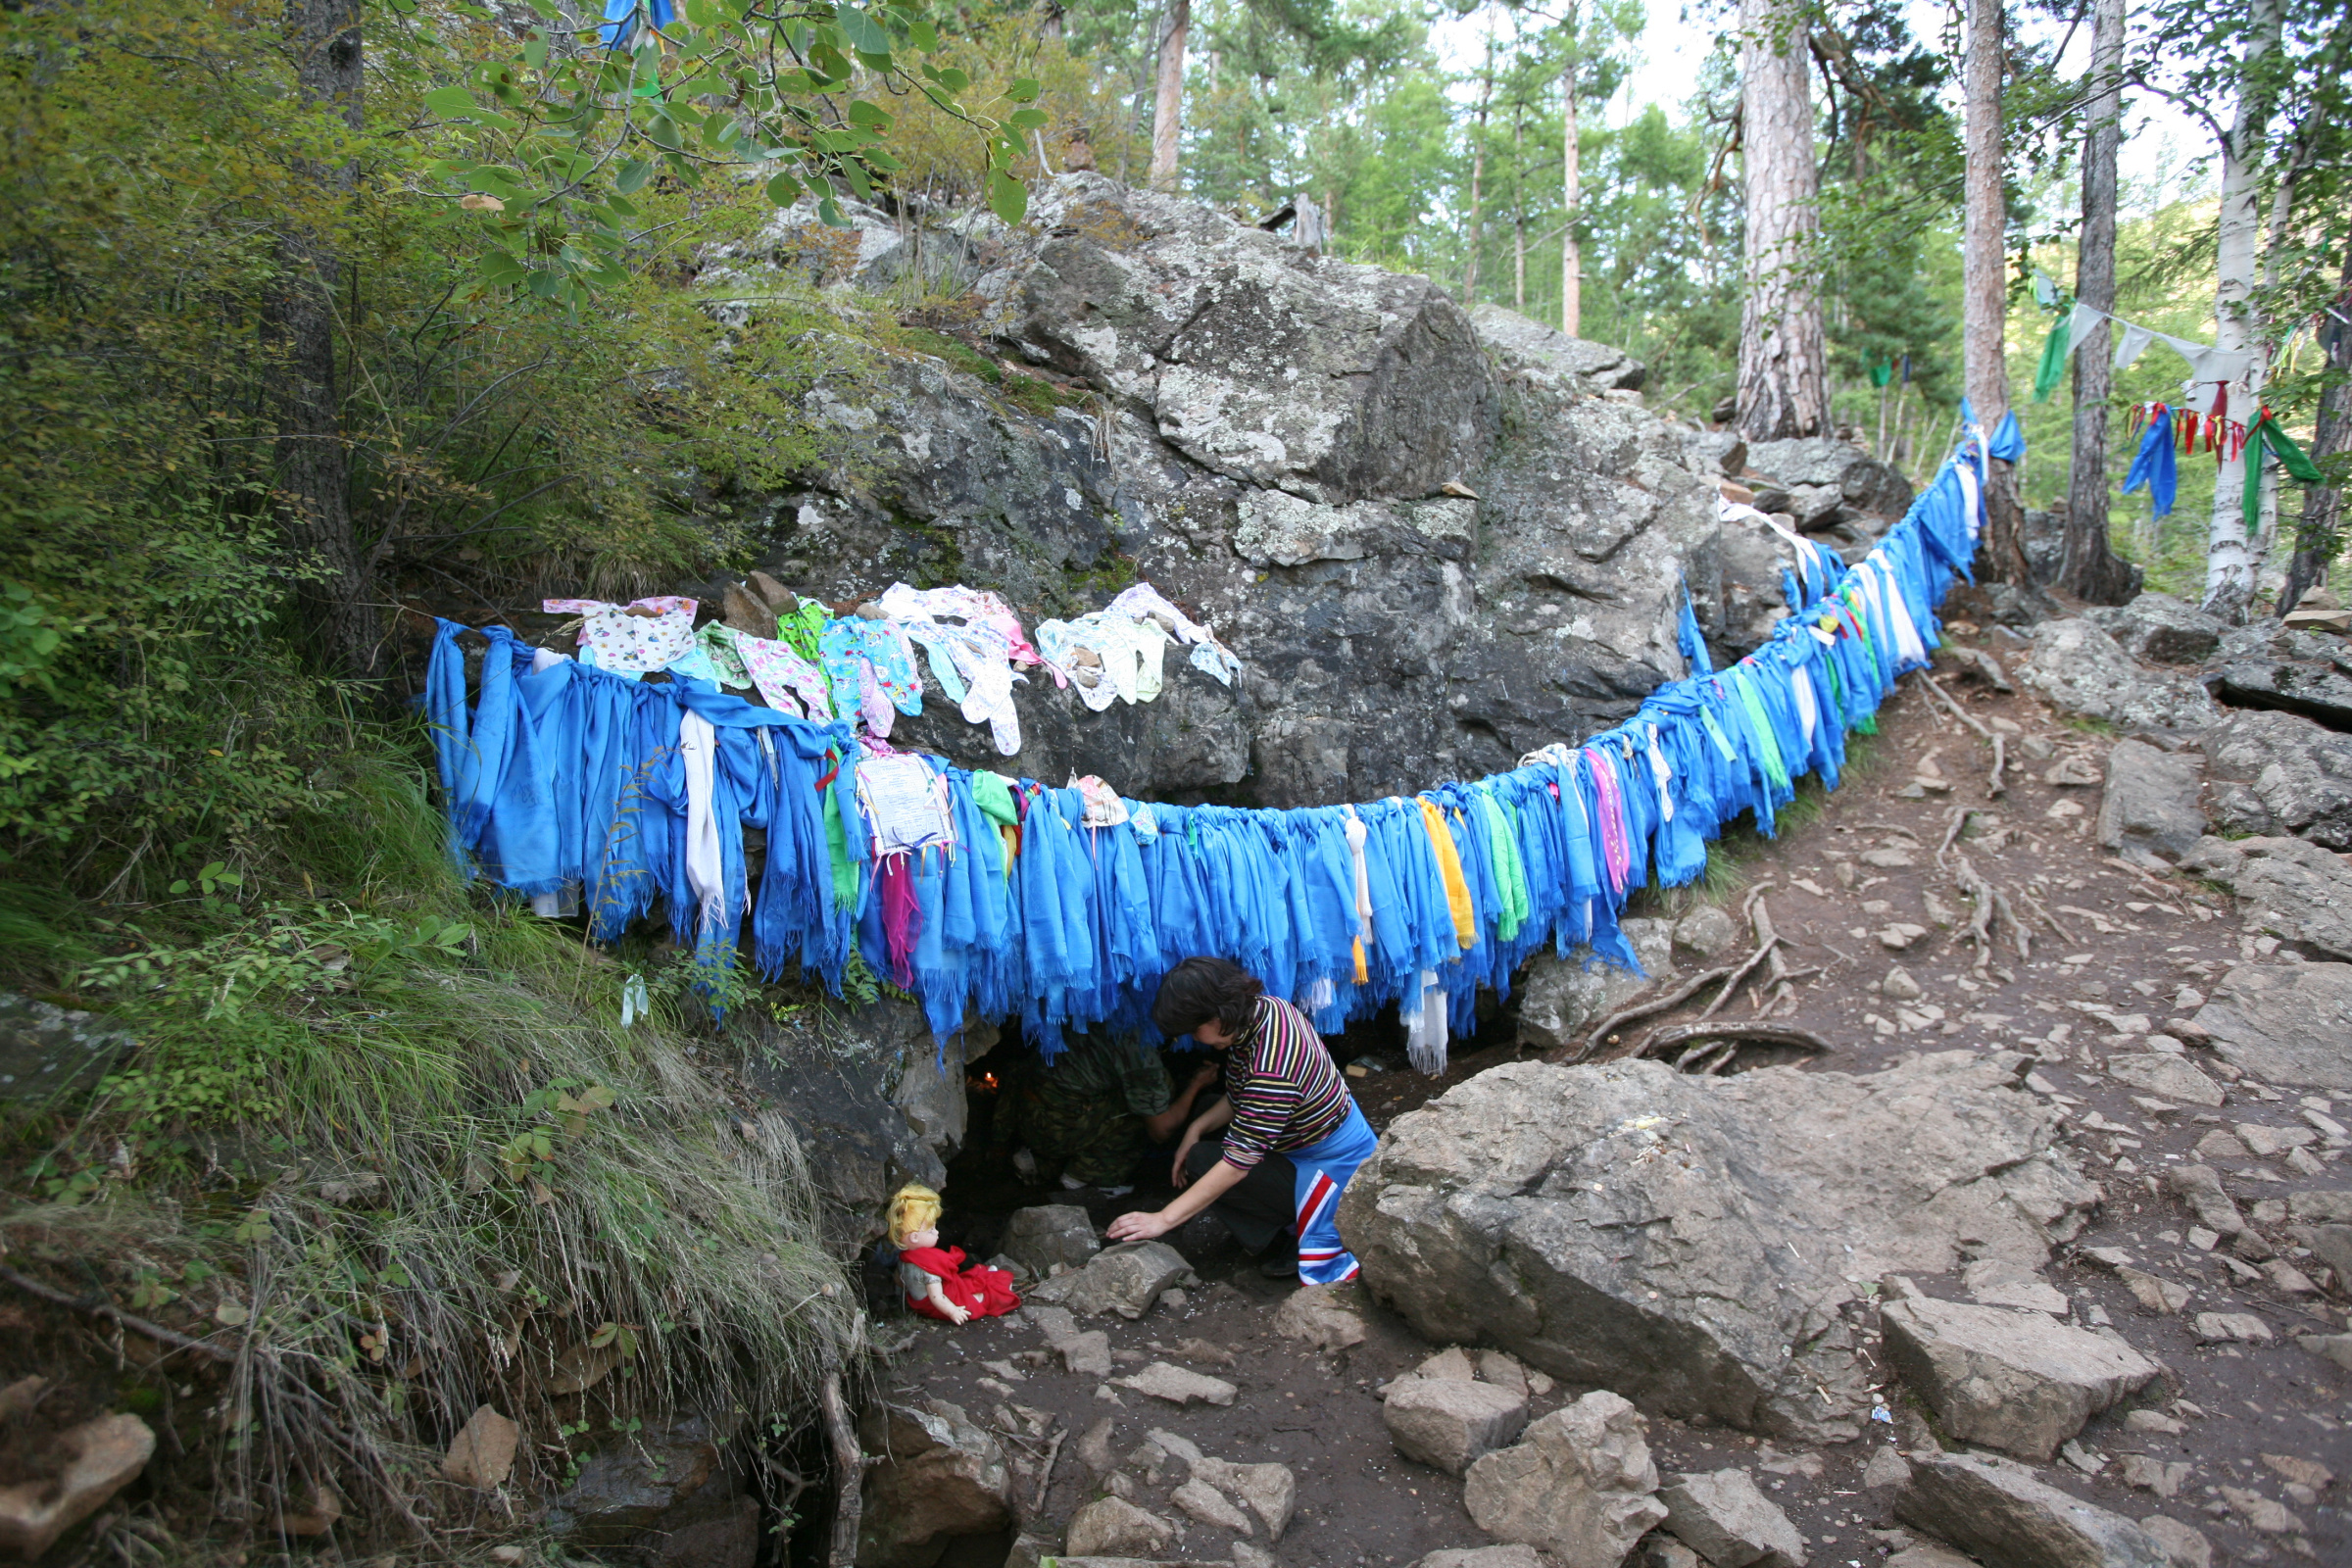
{"x": 1287, "y": 1093}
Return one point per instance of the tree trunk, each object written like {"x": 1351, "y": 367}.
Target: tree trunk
{"x": 314, "y": 466}
{"x": 1167, "y": 112}
{"x": 1783, "y": 358}
{"x": 2229, "y": 553}
{"x": 1984, "y": 299}
{"x": 1571, "y": 255}
{"x": 2320, "y": 536}
{"x": 1519, "y": 215}
{"x": 2092, "y": 570}
{"x": 1477, "y": 173}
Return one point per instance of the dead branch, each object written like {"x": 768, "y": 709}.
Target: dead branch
{"x": 2000, "y": 761}
{"x": 1668, "y": 1036}
{"x": 1944, "y": 698}
{"x": 1739, "y": 975}
{"x": 99, "y": 1306}
{"x": 1045, "y": 1473}
{"x": 1985, "y": 666}
{"x": 2049, "y": 919}
{"x": 848, "y": 1473}
{"x": 1643, "y": 1009}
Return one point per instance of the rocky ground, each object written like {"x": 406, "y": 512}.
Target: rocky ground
{"x": 2087, "y": 1179}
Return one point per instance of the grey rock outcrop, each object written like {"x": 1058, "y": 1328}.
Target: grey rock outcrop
{"x": 1039, "y": 1238}
{"x": 2286, "y": 1023}
{"x": 1581, "y": 1488}
{"x": 1578, "y": 363}
{"x": 2297, "y": 775}
{"x": 1267, "y": 436}
{"x": 2082, "y": 669}
{"x": 660, "y": 1483}
{"x": 1722, "y": 1516}
{"x": 2015, "y": 1381}
{"x": 1447, "y": 1423}
{"x": 941, "y": 1476}
{"x": 2160, "y": 628}
{"x": 1125, "y": 1279}
{"x": 1998, "y": 1511}
{"x": 2149, "y": 810}
{"x": 1694, "y": 1244}
{"x": 1858, "y": 482}
{"x": 2266, "y": 665}
{"x": 2292, "y": 888}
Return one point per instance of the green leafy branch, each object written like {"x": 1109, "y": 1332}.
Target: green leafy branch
{"x": 557, "y": 1116}
{"x": 558, "y": 139}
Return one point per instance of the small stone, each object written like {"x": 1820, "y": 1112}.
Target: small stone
{"x": 1163, "y": 1381}
{"x": 2152, "y": 1475}
{"x": 2303, "y": 1472}
{"x": 2013, "y": 1380}
{"x": 1888, "y": 859}
{"x": 1706, "y": 930}
{"x": 101, "y": 1457}
{"x": 2336, "y": 1347}
{"x": 1244, "y": 1555}
{"x": 1087, "y": 1354}
{"x": 1316, "y": 1314}
{"x": 1927, "y": 1554}
{"x": 1997, "y": 1283}
{"x": 2289, "y": 1280}
{"x": 1899, "y": 985}
{"x": 1093, "y": 1449}
{"x": 2225, "y": 1328}
{"x": 2153, "y": 1421}
{"x": 1197, "y": 1349}
{"x": 2203, "y": 1240}
{"x": 1503, "y": 1370}
{"x": 2153, "y": 1291}
{"x": 1725, "y": 1519}
{"x": 2187, "y": 1545}
{"x": 1509, "y": 1557}
{"x": 2268, "y": 1143}
{"x": 1199, "y": 1500}
{"x": 1998, "y": 1510}
{"x": 2200, "y": 1188}
{"x": 2260, "y": 1513}
{"x": 2167, "y": 1077}
{"x": 2220, "y": 1145}
{"x": 1887, "y": 1468}
{"x": 1448, "y": 1423}
{"x": 1270, "y": 1491}
{"x": 1039, "y": 1238}
{"x": 1580, "y": 1487}
{"x": 1113, "y": 1527}
{"x": 1900, "y": 935}
{"x": 2087, "y": 1460}
{"x": 1452, "y": 1363}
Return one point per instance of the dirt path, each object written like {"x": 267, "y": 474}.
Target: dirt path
{"x": 2115, "y": 954}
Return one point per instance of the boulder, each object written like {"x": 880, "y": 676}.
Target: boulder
{"x": 2285, "y": 1023}
{"x": 2315, "y": 689}
{"x": 655, "y": 1484}
{"x": 941, "y": 1476}
{"x": 2011, "y": 1380}
{"x": 47, "y": 1052}
{"x": 1853, "y": 477}
{"x": 1269, "y": 1490}
{"x": 1706, "y": 930}
{"x": 1579, "y": 1488}
{"x": 1578, "y": 363}
{"x": 1114, "y": 1528}
{"x": 2296, "y": 775}
{"x": 1710, "y": 451}
{"x": 2160, "y": 628}
{"x": 1999, "y": 1512}
{"x": 1561, "y": 998}
{"x": 2082, "y": 671}
{"x": 1447, "y": 1423}
{"x": 2149, "y": 813}
{"x": 1317, "y": 1314}
{"x": 1039, "y": 1238}
{"x": 2292, "y": 888}
{"x": 1722, "y": 1516}
{"x": 99, "y": 1458}
{"x": 1696, "y": 1244}
{"x": 1125, "y": 1279}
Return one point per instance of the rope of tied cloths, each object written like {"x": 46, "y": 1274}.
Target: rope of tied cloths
{"x": 995, "y": 897}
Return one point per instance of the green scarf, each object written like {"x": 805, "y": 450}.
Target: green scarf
{"x": 2291, "y": 458}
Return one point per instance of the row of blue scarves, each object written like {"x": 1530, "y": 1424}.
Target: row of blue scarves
{"x": 558, "y": 777}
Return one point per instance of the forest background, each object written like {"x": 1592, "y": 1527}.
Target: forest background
{"x": 312, "y": 308}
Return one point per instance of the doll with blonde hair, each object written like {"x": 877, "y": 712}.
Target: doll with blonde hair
{"x": 934, "y": 1279}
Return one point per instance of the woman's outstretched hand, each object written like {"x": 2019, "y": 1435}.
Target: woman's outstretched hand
{"x": 1139, "y": 1226}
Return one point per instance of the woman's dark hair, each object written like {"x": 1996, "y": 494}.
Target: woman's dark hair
{"x": 1200, "y": 989}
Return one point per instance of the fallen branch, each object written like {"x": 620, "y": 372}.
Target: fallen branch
{"x": 99, "y": 1306}
{"x": 1737, "y": 975}
{"x": 1643, "y": 1009}
{"x": 1943, "y": 697}
{"x": 1766, "y": 1034}
{"x": 1045, "y": 1474}
{"x": 848, "y": 1473}
{"x": 2050, "y": 920}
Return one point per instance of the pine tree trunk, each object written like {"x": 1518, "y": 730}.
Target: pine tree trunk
{"x": 1571, "y": 255}
{"x": 312, "y": 462}
{"x": 2092, "y": 570}
{"x": 2321, "y": 534}
{"x": 1783, "y": 358}
{"x": 1167, "y": 110}
{"x": 2229, "y": 553}
{"x": 1983, "y": 301}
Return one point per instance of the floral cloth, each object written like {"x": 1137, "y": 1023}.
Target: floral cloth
{"x": 633, "y": 639}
